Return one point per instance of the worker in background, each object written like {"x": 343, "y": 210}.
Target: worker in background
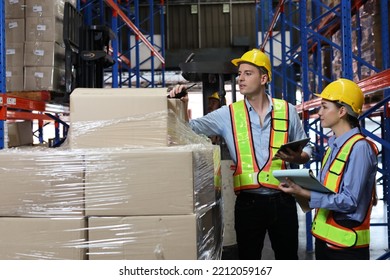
{"x": 253, "y": 129}
{"x": 342, "y": 221}
{"x": 214, "y": 103}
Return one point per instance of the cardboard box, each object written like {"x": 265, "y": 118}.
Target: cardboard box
{"x": 44, "y": 29}
{"x": 14, "y": 78}
{"x": 14, "y": 54}
{"x": 181, "y": 237}
{"x": 126, "y": 117}
{"x": 41, "y": 182}
{"x": 14, "y": 31}
{"x": 44, "y": 54}
{"x": 44, "y": 8}
{"x": 42, "y": 238}
{"x": 20, "y": 133}
{"x": 44, "y": 78}
{"x": 164, "y": 181}
{"x": 14, "y": 8}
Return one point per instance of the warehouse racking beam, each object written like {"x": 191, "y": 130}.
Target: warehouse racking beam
{"x": 369, "y": 85}
{"x": 19, "y": 108}
{"x": 307, "y": 36}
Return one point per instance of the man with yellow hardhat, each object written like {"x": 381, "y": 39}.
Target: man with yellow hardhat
{"x": 254, "y": 129}
{"x": 342, "y": 221}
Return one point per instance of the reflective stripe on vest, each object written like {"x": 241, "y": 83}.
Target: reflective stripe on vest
{"x": 217, "y": 168}
{"x": 324, "y": 226}
{"x": 248, "y": 174}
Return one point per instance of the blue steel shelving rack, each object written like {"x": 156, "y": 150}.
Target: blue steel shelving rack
{"x": 15, "y": 108}
{"x": 302, "y": 31}
{"x": 126, "y": 20}
{"x": 2, "y": 73}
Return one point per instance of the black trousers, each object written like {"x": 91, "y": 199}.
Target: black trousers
{"x": 255, "y": 215}
{"x": 324, "y": 252}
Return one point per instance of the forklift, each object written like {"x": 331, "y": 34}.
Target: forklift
{"x": 86, "y": 51}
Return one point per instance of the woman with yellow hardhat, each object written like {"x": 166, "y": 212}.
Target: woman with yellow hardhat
{"x": 253, "y": 129}
{"x": 342, "y": 221}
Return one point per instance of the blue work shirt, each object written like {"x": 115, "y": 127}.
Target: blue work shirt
{"x": 219, "y": 122}
{"x": 355, "y": 191}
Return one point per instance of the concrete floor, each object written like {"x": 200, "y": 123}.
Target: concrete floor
{"x": 379, "y": 233}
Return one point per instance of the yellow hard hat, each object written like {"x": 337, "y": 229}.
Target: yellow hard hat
{"x": 215, "y": 95}
{"x": 256, "y": 57}
{"x": 346, "y": 92}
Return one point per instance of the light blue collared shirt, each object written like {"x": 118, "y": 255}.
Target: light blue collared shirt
{"x": 356, "y": 185}
{"x": 219, "y": 122}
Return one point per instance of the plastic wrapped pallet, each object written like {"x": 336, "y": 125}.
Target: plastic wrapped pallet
{"x": 129, "y": 203}
{"x": 151, "y": 203}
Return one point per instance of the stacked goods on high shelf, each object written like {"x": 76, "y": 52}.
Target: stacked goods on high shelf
{"x": 35, "y": 53}
{"x": 366, "y": 43}
{"x": 131, "y": 182}
{"x": 14, "y": 44}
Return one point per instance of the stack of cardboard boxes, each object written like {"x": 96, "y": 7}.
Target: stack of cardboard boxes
{"x": 41, "y": 205}
{"x": 132, "y": 182}
{"x": 35, "y": 53}
{"x": 14, "y": 41}
{"x": 149, "y": 180}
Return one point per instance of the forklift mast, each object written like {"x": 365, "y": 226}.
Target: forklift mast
{"x": 86, "y": 51}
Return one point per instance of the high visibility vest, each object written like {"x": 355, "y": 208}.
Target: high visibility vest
{"x": 248, "y": 174}
{"x": 324, "y": 226}
{"x": 217, "y": 169}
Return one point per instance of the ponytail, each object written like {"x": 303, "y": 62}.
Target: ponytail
{"x": 354, "y": 122}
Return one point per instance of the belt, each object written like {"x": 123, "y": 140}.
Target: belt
{"x": 260, "y": 196}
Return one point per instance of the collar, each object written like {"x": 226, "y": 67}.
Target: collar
{"x": 270, "y": 107}
{"x": 339, "y": 141}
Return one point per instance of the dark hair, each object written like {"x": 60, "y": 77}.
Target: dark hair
{"x": 263, "y": 70}
{"x": 353, "y": 121}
